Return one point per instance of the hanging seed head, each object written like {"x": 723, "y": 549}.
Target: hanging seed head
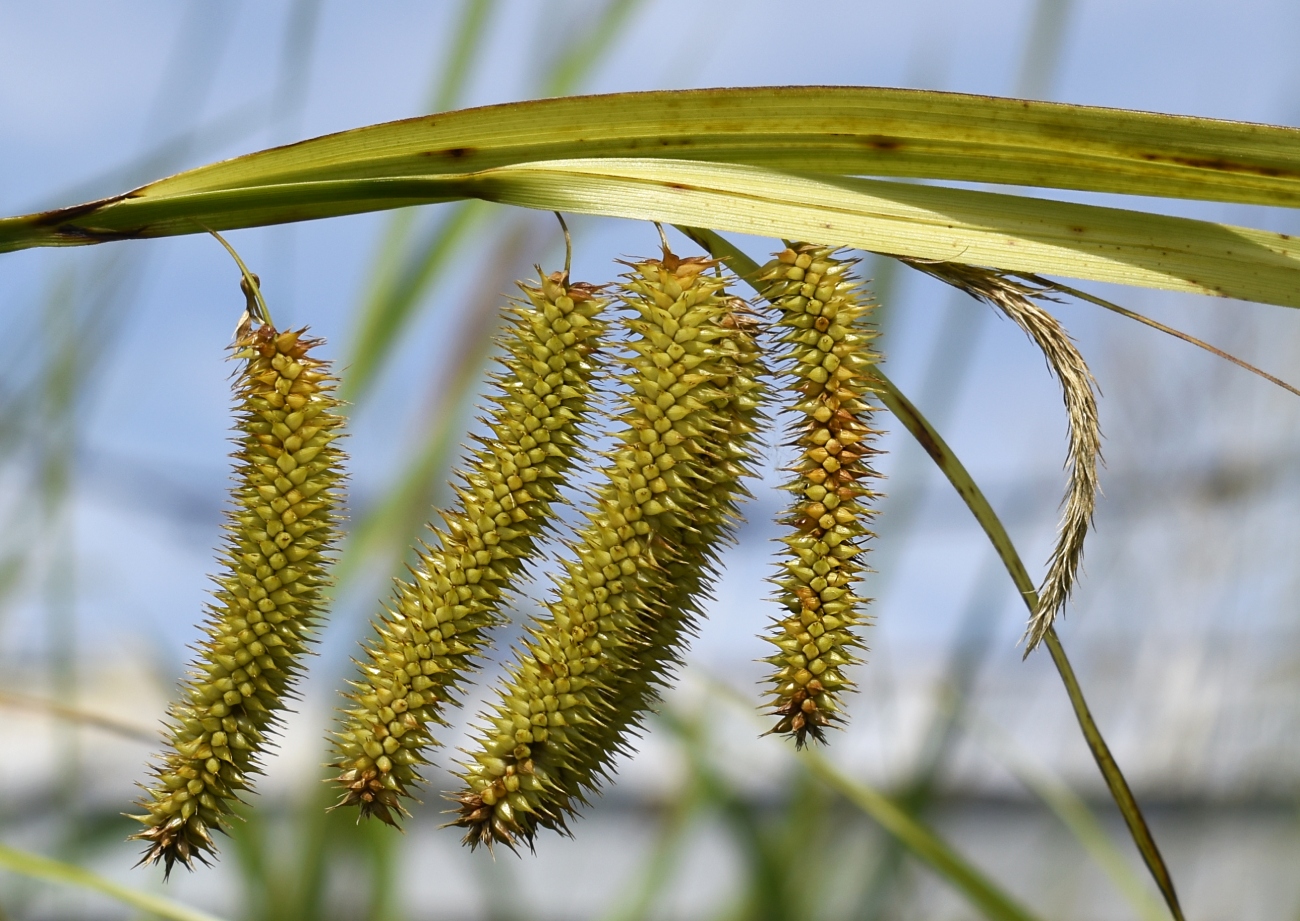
{"x": 269, "y": 596}
{"x": 1016, "y": 296}
{"x": 439, "y": 618}
{"x": 824, "y": 319}
{"x": 579, "y": 686}
{"x": 740, "y": 391}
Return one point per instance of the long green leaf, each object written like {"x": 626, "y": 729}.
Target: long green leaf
{"x": 928, "y": 223}
{"x": 961, "y": 480}
{"x": 55, "y": 871}
{"x": 833, "y": 130}
{"x": 923, "y": 222}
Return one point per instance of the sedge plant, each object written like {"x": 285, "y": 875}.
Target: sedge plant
{"x": 781, "y": 162}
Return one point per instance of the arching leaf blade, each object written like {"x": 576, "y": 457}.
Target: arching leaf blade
{"x": 826, "y": 129}
{"x": 1008, "y": 232}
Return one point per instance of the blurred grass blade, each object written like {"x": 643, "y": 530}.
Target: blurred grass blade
{"x": 1006, "y": 232}
{"x": 390, "y": 306}
{"x": 828, "y": 130}
{"x": 974, "y": 498}
{"x": 396, "y": 284}
{"x": 122, "y": 728}
{"x": 581, "y": 53}
{"x": 924, "y": 844}
{"x": 396, "y": 520}
{"x": 463, "y": 49}
{"x": 55, "y": 871}
{"x": 1074, "y": 813}
{"x": 772, "y": 892}
{"x": 401, "y": 281}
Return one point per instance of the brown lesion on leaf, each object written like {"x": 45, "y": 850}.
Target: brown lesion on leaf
{"x": 1222, "y": 165}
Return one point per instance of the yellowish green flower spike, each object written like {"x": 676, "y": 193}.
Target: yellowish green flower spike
{"x": 277, "y": 549}
{"x": 438, "y": 619}
{"x": 823, "y": 315}
{"x": 740, "y": 392}
{"x": 576, "y": 689}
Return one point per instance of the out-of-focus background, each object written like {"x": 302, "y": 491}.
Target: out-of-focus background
{"x": 114, "y": 407}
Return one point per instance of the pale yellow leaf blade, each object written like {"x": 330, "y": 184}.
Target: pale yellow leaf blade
{"x": 1007, "y": 232}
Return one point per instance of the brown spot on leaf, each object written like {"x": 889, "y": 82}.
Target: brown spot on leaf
{"x": 881, "y": 142}
{"x": 1221, "y": 164}
{"x": 456, "y": 153}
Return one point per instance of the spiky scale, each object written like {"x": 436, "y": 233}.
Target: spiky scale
{"x": 438, "y": 619}
{"x": 277, "y": 552}
{"x": 824, "y": 319}
{"x": 574, "y": 692}
{"x": 740, "y": 392}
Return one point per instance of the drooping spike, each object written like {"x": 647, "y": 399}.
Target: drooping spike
{"x": 824, "y": 318}
{"x": 631, "y": 589}
{"x": 437, "y": 621}
{"x": 279, "y": 538}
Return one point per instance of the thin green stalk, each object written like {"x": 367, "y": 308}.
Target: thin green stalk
{"x": 961, "y": 480}
{"x": 56, "y": 871}
{"x": 1074, "y": 813}
{"x": 974, "y": 498}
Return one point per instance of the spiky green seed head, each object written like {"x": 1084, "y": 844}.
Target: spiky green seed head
{"x": 270, "y": 594}
{"x": 690, "y": 571}
{"x": 824, "y": 319}
{"x": 438, "y": 620}
{"x": 571, "y": 697}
